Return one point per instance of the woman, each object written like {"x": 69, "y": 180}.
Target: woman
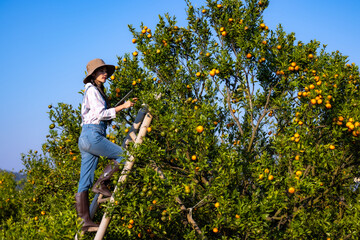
{"x": 96, "y": 115}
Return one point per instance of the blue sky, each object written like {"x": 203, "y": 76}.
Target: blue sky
{"x": 45, "y": 46}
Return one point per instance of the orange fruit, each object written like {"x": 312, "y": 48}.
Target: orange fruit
{"x": 198, "y": 74}
{"x": 199, "y": 129}
{"x": 237, "y": 216}
{"x": 297, "y": 157}
{"x": 135, "y": 54}
{"x": 215, "y": 230}
{"x": 328, "y": 105}
{"x": 134, "y": 40}
{"x": 271, "y": 177}
{"x": 332, "y": 147}
{"x": 291, "y": 190}
{"x": 148, "y": 129}
{"x": 298, "y": 173}
{"x": 224, "y": 33}
{"x": 131, "y": 221}
{"x": 212, "y": 73}
{"x": 313, "y": 101}
{"x": 217, "y": 204}
{"x": 193, "y": 157}
{"x": 266, "y": 171}
{"x": 262, "y": 25}
{"x": 219, "y": 6}
{"x": 278, "y": 47}
{"x": 248, "y": 56}
{"x": 311, "y": 56}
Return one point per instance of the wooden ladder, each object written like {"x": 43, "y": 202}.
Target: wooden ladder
{"x": 141, "y": 123}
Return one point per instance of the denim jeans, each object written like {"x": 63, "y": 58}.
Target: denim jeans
{"x": 93, "y": 144}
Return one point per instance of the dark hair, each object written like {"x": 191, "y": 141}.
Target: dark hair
{"x": 101, "y": 89}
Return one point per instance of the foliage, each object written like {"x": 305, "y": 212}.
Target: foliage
{"x": 254, "y": 135}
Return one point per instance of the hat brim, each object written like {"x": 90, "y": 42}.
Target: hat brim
{"x": 110, "y": 69}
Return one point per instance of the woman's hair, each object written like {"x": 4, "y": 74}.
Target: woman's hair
{"x": 101, "y": 88}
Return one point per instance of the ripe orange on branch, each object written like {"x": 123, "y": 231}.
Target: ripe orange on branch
{"x": 199, "y": 129}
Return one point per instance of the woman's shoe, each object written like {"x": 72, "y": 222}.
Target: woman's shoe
{"x": 99, "y": 186}
{"x": 82, "y": 209}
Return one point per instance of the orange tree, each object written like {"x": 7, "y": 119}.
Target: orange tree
{"x": 8, "y": 196}
{"x": 253, "y": 135}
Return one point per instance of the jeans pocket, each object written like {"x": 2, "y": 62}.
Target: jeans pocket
{"x": 84, "y": 144}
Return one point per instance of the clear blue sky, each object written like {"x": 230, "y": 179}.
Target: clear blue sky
{"x": 45, "y": 46}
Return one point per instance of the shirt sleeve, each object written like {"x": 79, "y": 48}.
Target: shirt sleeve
{"x": 97, "y": 105}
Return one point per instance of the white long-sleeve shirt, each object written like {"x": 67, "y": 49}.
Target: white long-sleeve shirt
{"x": 93, "y": 108}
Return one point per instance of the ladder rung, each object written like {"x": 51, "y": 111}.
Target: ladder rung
{"x": 132, "y": 136}
{"x": 102, "y": 200}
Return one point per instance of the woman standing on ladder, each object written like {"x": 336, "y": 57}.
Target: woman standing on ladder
{"x": 96, "y": 115}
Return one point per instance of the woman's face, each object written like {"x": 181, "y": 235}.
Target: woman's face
{"x": 101, "y": 75}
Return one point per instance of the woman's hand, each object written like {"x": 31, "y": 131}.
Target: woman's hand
{"x": 129, "y": 103}
{"x": 126, "y": 105}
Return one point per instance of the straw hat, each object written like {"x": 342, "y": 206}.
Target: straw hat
{"x": 95, "y": 64}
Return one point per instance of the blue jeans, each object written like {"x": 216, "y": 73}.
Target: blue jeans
{"x": 93, "y": 144}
